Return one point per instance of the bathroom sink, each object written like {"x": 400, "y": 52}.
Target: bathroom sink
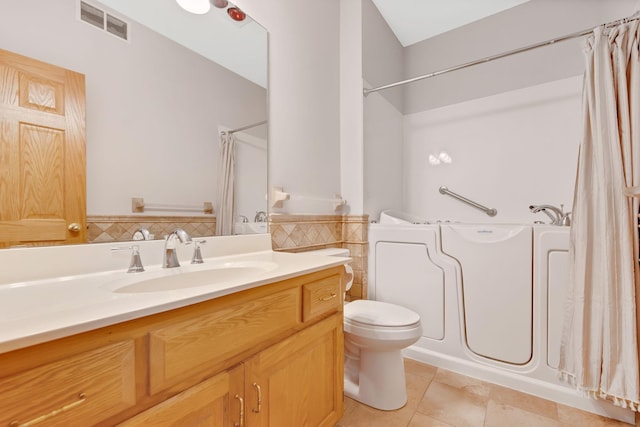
{"x": 251, "y": 227}
{"x": 176, "y": 279}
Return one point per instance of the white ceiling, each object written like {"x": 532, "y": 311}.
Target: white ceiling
{"x": 416, "y": 20}
{"x": 241, "y": 48}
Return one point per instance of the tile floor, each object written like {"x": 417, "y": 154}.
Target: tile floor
{"x": 440, "y": 398}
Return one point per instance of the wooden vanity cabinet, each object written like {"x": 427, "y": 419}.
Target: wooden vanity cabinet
{"x": 209, "y": 403}
{"x": 297, "y": 382}
{"x": 268, "y": 356}
{"x": 293, "y": 383}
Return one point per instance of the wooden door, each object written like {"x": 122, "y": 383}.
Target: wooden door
{"x": 298, "y": 382}
{"x": 42, "y": 153}
{"x": 212, "y": 403}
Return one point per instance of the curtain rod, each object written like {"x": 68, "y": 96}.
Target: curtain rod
{"x": 503, "y": 55}
{"x": 244, "y": 127}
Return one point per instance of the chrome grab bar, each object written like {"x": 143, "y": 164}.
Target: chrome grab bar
{"x": 488, "y": 211}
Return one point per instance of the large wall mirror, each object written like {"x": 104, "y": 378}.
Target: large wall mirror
{"x": 157, "y": 102}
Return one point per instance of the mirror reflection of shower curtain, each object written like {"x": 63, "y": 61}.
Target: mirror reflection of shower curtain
{"x": 225, "y": 212}
{"x": 598, "y": 351}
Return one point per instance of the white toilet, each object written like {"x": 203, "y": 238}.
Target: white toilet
{"x": 375, "y": 333}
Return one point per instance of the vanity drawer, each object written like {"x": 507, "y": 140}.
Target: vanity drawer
{"x": 321, "y": 297}
{"x": 208, "y": 342}
{"x": 76, "y": 391}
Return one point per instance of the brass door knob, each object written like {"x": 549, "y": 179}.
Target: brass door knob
{"x": 74, "y": 227}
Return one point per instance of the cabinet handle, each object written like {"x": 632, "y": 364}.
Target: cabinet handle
{"x": 81, "y": 398}
{"x": 241, "y": 411}
{"x": 259, "y": 390}
{"x": 327, "y": 298}
{"x": 74, "y": 227}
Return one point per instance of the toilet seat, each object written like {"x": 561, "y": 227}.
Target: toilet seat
{"x": 387, "y": 325}
{"x": 370, "y": 313}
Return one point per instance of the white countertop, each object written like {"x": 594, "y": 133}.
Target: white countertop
{"x": 43, "y": 309}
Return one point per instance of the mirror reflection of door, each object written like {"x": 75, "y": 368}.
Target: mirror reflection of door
{"x": 42, "y": 153}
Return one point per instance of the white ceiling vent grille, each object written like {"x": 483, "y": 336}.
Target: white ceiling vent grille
{"x": 103, "y": 20}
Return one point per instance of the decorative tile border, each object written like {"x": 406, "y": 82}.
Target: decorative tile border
{"x": 299, "y": 233}
{"x": 101, "y": 228}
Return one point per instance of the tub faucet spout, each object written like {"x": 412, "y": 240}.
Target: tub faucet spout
{"x": 170, "y": 258}
{"x": 557, "y": 215}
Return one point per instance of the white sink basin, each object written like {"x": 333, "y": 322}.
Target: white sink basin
{"x": 193, "y": 276}
{"x": 250, "y": 227}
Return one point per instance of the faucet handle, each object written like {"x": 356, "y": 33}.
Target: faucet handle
{"x": 135, "y": 266}
{"x": 197, "y": 254}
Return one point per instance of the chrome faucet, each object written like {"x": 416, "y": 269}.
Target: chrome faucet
{"x": 142, "y": 234}
{"x": 558, "y": 217}
{"x": 170, "y": 258}
{"x": 261, "y": 216}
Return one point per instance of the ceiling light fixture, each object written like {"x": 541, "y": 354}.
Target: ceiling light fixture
{"x": 220, "y": 4}
{"x": 236, "y": 14}
{"x": 199, "y": 7}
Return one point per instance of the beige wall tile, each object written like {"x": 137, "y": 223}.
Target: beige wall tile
{"x": 298, "y": 233}
{"x": 102, "y": 228}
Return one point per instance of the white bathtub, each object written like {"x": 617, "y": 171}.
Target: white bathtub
{"x": 469, "y": 325}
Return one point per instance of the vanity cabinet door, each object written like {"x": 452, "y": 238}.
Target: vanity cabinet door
{"x": 191, "y": 348}
{"x": 298, "y": 382}
{"x": 215, "y": 402}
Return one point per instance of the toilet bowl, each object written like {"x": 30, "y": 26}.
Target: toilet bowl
{"x": 375, "y": 333}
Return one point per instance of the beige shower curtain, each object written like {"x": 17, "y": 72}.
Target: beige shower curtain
{"x": 599, "y": 352}
{"x": 225, "y": 210}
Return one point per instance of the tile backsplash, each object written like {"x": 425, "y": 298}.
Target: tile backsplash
{"x": 121, "y": 228}
{"x": 299, "y": 233}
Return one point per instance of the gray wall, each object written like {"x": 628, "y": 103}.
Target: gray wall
{"x": 529, "y": 23}
{"x": 382, "y": 54}
{"x": 304, "y": 97}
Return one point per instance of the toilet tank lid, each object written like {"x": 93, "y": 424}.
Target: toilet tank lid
{"x": 330, "y": 252}
{"x": 378, "y": 313}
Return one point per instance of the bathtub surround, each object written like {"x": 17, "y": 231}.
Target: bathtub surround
{"x": 299, "y": 233}
{"x": 599, "y": 353}
{"x": 499, "y": 145}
